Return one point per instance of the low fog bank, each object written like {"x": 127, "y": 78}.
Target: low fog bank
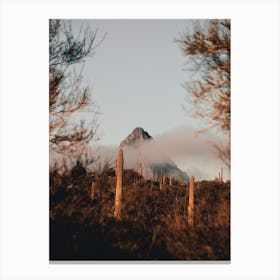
{"x": 192, "y": 154}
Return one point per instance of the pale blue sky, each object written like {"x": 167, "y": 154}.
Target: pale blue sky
{"x": 136, "y": 79}
{"x": 136, "y": 76}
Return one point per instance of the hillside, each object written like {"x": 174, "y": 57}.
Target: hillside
{"x": 153, "y": 224}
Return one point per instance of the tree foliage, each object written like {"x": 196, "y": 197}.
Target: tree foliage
{"x": 66, "y": 95}
{"x": 208, "y": 53}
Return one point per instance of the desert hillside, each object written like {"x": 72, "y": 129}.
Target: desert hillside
{"x": 153, "y": 224}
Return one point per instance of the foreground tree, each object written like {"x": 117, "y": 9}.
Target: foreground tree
{"x": 66, "y": 95}
{"x": 208, "y": 51}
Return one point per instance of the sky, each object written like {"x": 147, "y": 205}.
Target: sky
{"x": 135, "y": 78}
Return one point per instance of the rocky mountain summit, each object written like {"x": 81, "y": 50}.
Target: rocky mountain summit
{"x": 146, "y": 159}
{"x": 136, "y": 137}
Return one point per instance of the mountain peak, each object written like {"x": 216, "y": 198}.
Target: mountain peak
{"x": 137, "y": 135}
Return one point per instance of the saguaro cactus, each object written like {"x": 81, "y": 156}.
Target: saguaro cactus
{"x": 170, "y": 180}
{"x": 142, "y": 170}
{"x": 156, "y": 177}
{"x": 191, "y": 203}
{"x": 94, "y": 186}
{"x": 99, "y": 167}
{"x": 161, "y": 182}
{"x": 118, "y": 197}
{"x": 92, "y": 190}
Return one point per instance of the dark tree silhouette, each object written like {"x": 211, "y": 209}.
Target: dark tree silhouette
{"x": 66, "y": 95}
{"x": 208, "y": 51}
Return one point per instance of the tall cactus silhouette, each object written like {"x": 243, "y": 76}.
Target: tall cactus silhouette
{"x": 191, "y": 203}
{"x": 142, "y": 170}
{"x": 170, "y": 180}
{"x": 92, "y": 190}
{"x": 118, "y": 197}
{"x": 161, "y": 181}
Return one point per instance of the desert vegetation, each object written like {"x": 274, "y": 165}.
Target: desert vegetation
{"x": 67, "y": 95}
{"x": 154, "y": 210}
{"x": 207, "y": 50}
{"x": 147, "y": 220}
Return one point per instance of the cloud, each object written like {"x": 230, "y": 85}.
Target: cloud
{"x": 189, "y": 152}
{"x": 192, "y": 153}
